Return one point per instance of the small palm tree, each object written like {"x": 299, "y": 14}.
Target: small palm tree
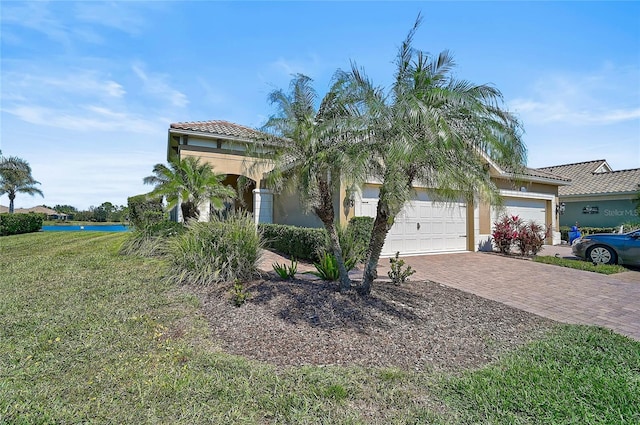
{"x": 310, "y": 151}
{"x": 15, "y": 177}
{"x": 433, "y": 130}
{"x": 190, "y": 183}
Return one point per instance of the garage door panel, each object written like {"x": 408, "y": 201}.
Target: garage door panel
{"x": 423, "y": 226}
{"x": 525, "y": 209}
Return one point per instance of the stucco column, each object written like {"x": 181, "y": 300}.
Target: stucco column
{"x": 262, "y": 206}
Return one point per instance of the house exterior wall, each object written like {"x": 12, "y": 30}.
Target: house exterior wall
{"x": 226, "y": 163}
{"x": 518, "y": 190}
{"x": 598, "y": 212}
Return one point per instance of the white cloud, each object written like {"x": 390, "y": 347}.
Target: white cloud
{"x": 603, "y": 97}
{"x": 86, "y": 118}
{"x": 35, "y": 16}
{"x": 156, "y": 85}
{"x": 24, "y": 83}
{"x": 122, "y": 16}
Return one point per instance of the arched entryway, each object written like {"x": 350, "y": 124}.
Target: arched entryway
{"x": 244, "y": 187}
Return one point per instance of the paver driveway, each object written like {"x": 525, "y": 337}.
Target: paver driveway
{"x": 559, "y": 293}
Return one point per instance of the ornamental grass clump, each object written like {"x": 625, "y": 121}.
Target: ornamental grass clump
{"x": 152, "y": 239}
{"x": 219, "y": 251}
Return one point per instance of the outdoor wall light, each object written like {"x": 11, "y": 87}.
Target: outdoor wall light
{"x": 560, "y": 208}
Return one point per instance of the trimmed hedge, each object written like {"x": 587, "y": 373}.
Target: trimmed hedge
{"x": 15, "y": 224}
{"x": 303, "y": 243}
{"x": 360, "y": 229}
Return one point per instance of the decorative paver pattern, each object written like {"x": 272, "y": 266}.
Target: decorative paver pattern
{"x": 559, "y": 293}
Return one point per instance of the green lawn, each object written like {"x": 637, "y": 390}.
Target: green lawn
{"x": 88, "y": 336}
{"x": 580, "y": 264}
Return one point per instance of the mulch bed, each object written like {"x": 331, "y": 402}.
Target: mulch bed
{"x": 416, "y": 326}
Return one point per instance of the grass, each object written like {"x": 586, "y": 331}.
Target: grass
{"x": 578, "y": 375}
{"x": 88, "y": 336}
{"x": 581, "y": 265}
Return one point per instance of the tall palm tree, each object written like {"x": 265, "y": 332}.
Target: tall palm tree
{"x": 15, "y": 177}
{"x": 190, "y": 183}
{"x": 434, "y": 130}
{"x": 310, "y": 151}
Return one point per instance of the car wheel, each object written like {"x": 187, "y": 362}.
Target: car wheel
{"x": 601, "y": 255}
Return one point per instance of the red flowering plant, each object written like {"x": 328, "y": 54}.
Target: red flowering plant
{"x": 505, "y": 232}
{"x": 530, "y": 238}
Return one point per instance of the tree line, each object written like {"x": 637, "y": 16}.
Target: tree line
{"x": 102, "y": 213}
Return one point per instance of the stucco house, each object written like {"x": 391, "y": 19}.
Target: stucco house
{"x": 598, "y": 196}
{"x": 422, "y": 227}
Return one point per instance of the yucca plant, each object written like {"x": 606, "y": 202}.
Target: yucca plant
{"x": 327, "y": 268}
{"x": 284, "y": 271}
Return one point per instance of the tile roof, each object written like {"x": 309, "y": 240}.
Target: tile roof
{"x": 224, "y": 128}
{"x": 545, "y": 174}
{"x": 587, "y": 180}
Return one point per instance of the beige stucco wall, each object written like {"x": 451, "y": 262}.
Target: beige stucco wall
{"x": 228, "y": 163}
{"x": 287, "y": 209}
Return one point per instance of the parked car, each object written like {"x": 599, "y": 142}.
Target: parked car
{"x": 609, "y": 248}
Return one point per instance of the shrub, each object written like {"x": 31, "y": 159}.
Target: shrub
{"x": 327, "y": 268}
{"x": 239, "y": 295}
{"x": 145, "y": 211}
{"x": 15, "y": 224}
{"x": 505, "y": 231}
{"x": 360, "y": 229}
{"x": 152, "y": 240}
{"x": 630, "y": 226}
{"x": 284, "y": 271}
{"x": 397, "y": 274}
{"x": 216, "y": 251}
{"x": 302, "y": 243}
{"x": 530, "y": 237}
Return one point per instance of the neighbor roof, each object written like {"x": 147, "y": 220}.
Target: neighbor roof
{"x": 4, "y": 209}
{"x": 595, "y": 178}
{"x": 219, "y": 127}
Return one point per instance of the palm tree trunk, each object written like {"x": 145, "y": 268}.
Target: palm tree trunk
{"x": 12, "y": 196}
{"x": 345, "y": 281}
{"x": 381, "y": 227}
{"x": 326, "y": 214}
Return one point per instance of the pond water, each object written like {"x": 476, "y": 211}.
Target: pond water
{"x": 87, "y": 228}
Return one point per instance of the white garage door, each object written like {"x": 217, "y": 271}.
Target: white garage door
{"x": 526, "y": 209}
{"x": 422, "y": 227}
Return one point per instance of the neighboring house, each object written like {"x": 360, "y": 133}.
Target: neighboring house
{"x": 4, "y": 209}
{"x": 422, "y": 227}
{"x": 598, "y": 196}
{"x": 51, "y": 214}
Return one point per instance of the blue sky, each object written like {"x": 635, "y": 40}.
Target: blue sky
{"x": 88, "y": 89}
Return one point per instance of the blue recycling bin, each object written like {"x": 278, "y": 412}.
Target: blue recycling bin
{"x": 574, "y": 234}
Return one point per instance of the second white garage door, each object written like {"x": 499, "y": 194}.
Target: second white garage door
{"x": 526, "y": 209}
{"x": 422, "y": 227}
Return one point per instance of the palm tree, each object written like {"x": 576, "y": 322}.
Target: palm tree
{"x": 191, "y": 183}
{"x": 310, "y": 151}
{"x": 15, "y": 177}
{"x": 434, "y": 130}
